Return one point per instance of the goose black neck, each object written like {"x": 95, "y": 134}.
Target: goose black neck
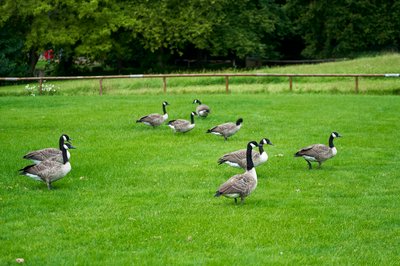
{"x": 331, "y": 142}
{"x": 61, "y": 142}
{"x": 192, "y": 118}
{"x": 261, "y": 148}
{"x": 64, "y": 154}
{"x": 249, "y": 158}
{"x": 164, "y": 108}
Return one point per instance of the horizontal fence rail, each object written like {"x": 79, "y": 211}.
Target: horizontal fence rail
{"x": 226, "y": 76}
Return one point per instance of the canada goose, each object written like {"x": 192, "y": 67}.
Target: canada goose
{"x": 226, "y": 130}
{"x": 202, "y": 109}
{"x": 182, "y": 125}
{"x": 319, "y": 152}
{"x": 56, "y": 154}
{"x": 49, "y": 170}
{"x": 241, "y": 185}
{"x": 155, "y": 119}
{"x": 43, "y": 154}
{"x": 238, "y": 158}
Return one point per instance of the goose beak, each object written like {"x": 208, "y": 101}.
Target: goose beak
{"x": 72, "y": 147}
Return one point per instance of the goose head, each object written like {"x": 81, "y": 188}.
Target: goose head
{"x": 336, "y": 135}
{"x": 266, "y": 141}
{"x": 239, "y": 121}
{"x": 197, "y": 101}
{"x": 66, "y": 138}
{"x": 165, "y": 103}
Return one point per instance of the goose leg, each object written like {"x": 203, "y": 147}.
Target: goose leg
{"x": 319, "y": 164}
{"x": 309, "y": 165}
{"x": 241, "y": 200}
{"x": 235, "y": 200}
{"x": 49, "y": 185}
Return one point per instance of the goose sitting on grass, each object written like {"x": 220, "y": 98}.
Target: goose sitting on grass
{"x": 155, "y": 119}
{"x": 241, "y": 185}
{"x": 227, "y": 129}
{"x": 238, "y": 158}
{"x": 319, "y": 152}
{"x": 182, "y": 125}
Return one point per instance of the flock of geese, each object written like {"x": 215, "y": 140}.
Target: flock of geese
{"x": 52, "y": 164}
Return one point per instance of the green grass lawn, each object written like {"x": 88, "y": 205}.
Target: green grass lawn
{"x": 143, "y": 196}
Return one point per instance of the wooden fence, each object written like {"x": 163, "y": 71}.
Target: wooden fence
{"x": 226, "y": 76}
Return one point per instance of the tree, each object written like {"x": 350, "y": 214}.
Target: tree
{"x": 346, "y": 27}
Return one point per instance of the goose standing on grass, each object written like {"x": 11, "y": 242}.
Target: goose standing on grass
{"x": 318, "y": 152}
{"x": 241, "y": 185}
{"x": 155, "y": 119}
{"x": 182, "y": 125}
{"x": 49, "y": 170}
{"x": 238, "y": 158}
{"x": 43, "y": 154}
{"x": 202, "y": 110}
{"x": 227, "y": 129}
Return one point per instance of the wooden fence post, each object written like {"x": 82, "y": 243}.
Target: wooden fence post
{"x": 164, "y": 84}
{"x": 356, "y": 85}
{"x": 101, "y": 87}
{"x": 290, "y": 83}
{"x": 40, "y": 86}
{"x": 227, "y": 84}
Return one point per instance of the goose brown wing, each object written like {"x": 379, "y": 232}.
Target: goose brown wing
{"x": 42, "y": 154}
{"x": 180, "y": 124}
{"x": 223, "y": 128}
{"x": 316, "y": 150}
{"x": 240, "y": 184}
{"x": 45, "y": 169}
{"x": 153, "y": 119}
{"x": 235, "y": 157}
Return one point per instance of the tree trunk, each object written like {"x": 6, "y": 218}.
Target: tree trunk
{"x": 33, "y": 59}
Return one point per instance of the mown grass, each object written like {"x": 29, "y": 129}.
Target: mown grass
{"x": 382, "y": 64}
{"x": 138, "y": 195}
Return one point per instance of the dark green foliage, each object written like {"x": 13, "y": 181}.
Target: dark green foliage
{"x": 151, "y": 36}
{"x": 12, "y": 61}
{"x": 346, "y": 28}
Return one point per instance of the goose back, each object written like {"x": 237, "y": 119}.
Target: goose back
{"x": 227, "y": 129}
{"x": 155, "y": 119}
{"x": 182, "y": 125}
